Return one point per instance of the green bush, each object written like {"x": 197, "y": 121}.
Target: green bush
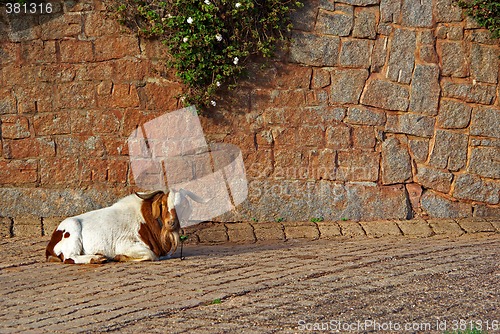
{"x": 210, "y": 41}
{"x": 485, "y": 12}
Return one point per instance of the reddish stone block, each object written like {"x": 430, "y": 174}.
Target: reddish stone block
{"x": 300, "y": 230}
{"x": 275, "y": 115}
{"x": 377, "y": 229}
{"x": 338, "y": 137}
{"x": 105, "y": 88}
{"x": 244, "y": 141}
{"x": 259, "y": 164}
{"x": 52, "y": 123}
{"x": 260, "y": 99}
{"x": 7, "y": 102}
{"x": 34, "y": 97}
{"x": 358, "y": 166}
{"x": 415, "y": 228}
{"x": 93, "y": 71}
{"x": 414, "y": 193}
{"x": 97, "y": 24}
{"x": 54, "y": 28}
{"x": 76, "y": 51}
{"x": 94, "y": 171}
{"x": 10, "y": 52}
{"x": 364, "y": 137}
{"x": 328, "y": 230}
{"x": 115, "y": 146}
{"x": 212, "y": 233}
{"x": 289, "y": 98}
{"x": 322, "y": 165}
{"x": 80, "y": 146}
{"x": 18, "y": 171}
{"x": 311, "y": 136}
{"x": 78, "y": 95}
{"x": 264, "y": 139}
{"x": 29, "y": 148}
{"x": 117, "y": 171}
{"x": 291, "y": 76}
{"x": 59, "y": 171}
{"x": 38, "y": 51}
{"x": 321, "y": 78}
{"x": 95, "y": 121}
{"x": 284, "y": 136}
{"x": 56, "y": 72}
{"x": 114, "y": 47}
{"x": 15, "y": 127}
{"x": 351, "y": 229}
{"x": 290, "y": 164}
{"x": 122, "y": 96}
{"x": 130, "y": 69}
{"x": 133, "y": 118}
{"x": 268, "y": 231}
{"x": 162, "y": 97}
{"x": 240, "y": 232}
{"x": 104, "y": 170}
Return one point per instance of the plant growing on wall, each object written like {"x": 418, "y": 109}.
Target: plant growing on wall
{"x": 210, "y": 41}
{"x": 485, "y": 12}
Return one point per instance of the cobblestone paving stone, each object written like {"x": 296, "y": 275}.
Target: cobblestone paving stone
{"x": 280, "y": 287}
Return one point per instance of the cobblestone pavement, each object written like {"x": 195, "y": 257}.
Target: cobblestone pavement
{"x": 428, "y": 284}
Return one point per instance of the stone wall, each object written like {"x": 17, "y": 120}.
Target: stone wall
{"x": 380, "y": 109}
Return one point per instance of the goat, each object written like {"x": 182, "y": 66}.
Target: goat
{"x": 139, "y": 227}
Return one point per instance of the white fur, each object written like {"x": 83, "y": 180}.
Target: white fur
{"x": 107, "y": 232}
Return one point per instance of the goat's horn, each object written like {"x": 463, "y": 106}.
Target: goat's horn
{"x": 148, "y": 195}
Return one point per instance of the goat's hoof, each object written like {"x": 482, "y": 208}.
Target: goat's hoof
{"x": 100, "y": 259}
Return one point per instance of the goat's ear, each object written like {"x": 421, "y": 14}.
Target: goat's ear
{"x": 155, "y": 207}
{"x": 148, "y": 195}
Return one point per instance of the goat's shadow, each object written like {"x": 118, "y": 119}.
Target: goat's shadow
{"x": 196, "y": 251}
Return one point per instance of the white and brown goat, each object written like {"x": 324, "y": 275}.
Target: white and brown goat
{"x": 139, "y": 227}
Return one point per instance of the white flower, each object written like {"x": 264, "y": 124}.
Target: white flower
{"x": 213, "y": 103}
{"x": 218, "y": 37}
{"x": 238, "y": 5}
{"x": 236, "y": 60}
{"x": 207, "y": 2}
{"x": 185, "y": 39}
{"x": 190, "y": 20}
{"x": 217, "y": 83}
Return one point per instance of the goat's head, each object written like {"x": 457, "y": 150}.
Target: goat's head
{"x": 162, "y": 210}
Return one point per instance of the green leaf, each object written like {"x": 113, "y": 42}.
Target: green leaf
{"x": 199, "y": 58}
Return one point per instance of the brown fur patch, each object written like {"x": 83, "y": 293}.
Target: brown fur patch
{"x": 152, "y": 232}
{"x": 66, "y": 235}
{"x": 51, "y": 258}
{"x": 100, "y": 260}
{"x": 69, "y": 261}
{"x": 49, "y": 251}
{"x": 122, "y": 258}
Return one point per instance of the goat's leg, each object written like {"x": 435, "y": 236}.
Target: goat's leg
{"x": 86, "y": 259}
{"x": 136, "y": 253}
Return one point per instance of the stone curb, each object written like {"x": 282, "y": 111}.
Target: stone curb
{"x": 250, "y": 232}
